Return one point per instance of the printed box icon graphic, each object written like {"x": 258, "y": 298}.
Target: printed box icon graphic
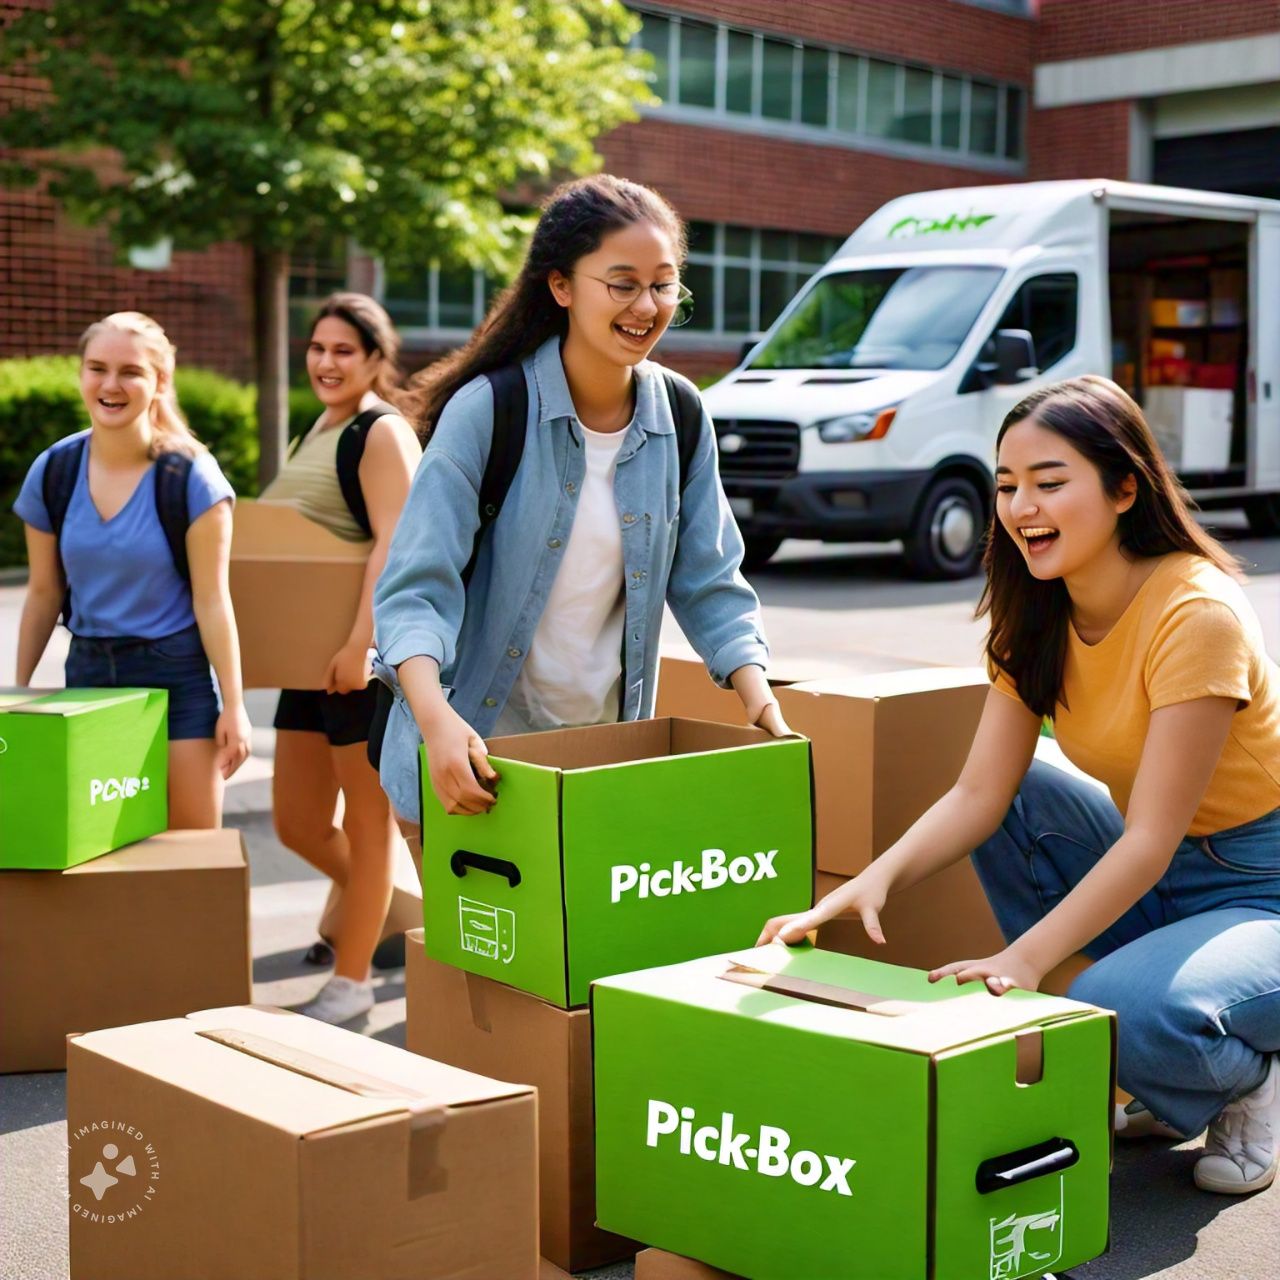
{"x": 1027, "y": 1244}
{"x": 487, "y": 931}
{"x": 616, "y": 847}
{"x": 82, "y": 772}
{"x": 770, "y": 1111}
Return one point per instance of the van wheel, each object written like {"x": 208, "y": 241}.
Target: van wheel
{"x": 1264, "y": 515}
{"x": 759, "y": 550}
{"x": 946, "y": 540}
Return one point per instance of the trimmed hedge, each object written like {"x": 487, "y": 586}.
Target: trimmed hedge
{"x": 40, "y": 403}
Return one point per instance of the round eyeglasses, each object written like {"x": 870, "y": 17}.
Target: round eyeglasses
{"x": 667, "y": 295}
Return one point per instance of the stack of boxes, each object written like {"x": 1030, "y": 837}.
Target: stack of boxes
{"x": 610, "y": 849}
{"x": 979, "y": 1128}
{"x": 105, "y": 917}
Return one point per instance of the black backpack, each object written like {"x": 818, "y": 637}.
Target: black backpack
{"x": 350, "y": 451}
{"x": 510, "y": 419}
{"x": 173, "y": 470}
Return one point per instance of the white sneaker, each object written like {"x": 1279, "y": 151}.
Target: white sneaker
{"x": 1135, "y": 1120}
{"x": 340, "y": 1000}
{"x": 1242, "y": 1151}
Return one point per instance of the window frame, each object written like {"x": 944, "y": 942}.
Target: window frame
{"x": 832, "y": 133}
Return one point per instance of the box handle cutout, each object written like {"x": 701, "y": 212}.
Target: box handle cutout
{"x": 464, "y": 858}
{"x": 1000, "y": 1172}
{"x": 820, "y": 992}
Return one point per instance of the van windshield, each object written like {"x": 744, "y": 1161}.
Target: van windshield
{"x": 887, "y": 318}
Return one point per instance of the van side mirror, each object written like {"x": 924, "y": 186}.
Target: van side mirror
{"x": 1014, "y": 356}
{"x": 1006, "y": 358}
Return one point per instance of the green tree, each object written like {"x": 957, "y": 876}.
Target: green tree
{"x": 399, "y": 124}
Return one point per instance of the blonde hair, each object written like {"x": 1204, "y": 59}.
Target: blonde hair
{"x": 170, "y": 432}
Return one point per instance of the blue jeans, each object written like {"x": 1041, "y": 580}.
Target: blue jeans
{"x": 175, "y": 663}
{"x": 1192, "y": 969}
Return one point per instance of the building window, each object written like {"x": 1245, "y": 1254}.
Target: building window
{"x": 314, "y": 273}
{"x": 706, "y": 70}
{"x": 743, "y": 277}
{"x": 437, "y": 297}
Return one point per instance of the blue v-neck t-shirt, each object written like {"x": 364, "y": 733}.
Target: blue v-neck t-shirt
{"x": 121, "y": 572}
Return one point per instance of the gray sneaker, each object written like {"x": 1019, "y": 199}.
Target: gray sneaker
{"x": 340, "y": 1000}
{"x": 1242, "y": 1151}
{"x": 1135, "y": 1120}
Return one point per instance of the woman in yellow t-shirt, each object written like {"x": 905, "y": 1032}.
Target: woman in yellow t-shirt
{"x": 1115, "y": 614}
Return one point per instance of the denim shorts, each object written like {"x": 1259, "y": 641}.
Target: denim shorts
{"x": 176, "y": 663}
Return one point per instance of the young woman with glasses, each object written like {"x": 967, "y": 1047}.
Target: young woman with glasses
{"x": 558, "y": 623}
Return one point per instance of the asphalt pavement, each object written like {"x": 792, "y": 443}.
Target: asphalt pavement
{"x": 820, "y": 603}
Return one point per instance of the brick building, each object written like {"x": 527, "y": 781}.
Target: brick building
{"x": 780, "y": 129}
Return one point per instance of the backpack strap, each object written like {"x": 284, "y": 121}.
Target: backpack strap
{"x": 686, "y": 411}
{"x": 61, "y": 470}
{"x": 510, "y": 422}
{"x": 173, "y": 471}
{"x": 350, "y": 451}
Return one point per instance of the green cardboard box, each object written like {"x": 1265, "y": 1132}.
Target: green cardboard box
{"x": 82, "y": 772}
{"x": 616, "y": 847}
{"x": 798, "y": 1113}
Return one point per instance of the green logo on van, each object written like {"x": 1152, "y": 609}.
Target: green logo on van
{"x": 905, "y": 228}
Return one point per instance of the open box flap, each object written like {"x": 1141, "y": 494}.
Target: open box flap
{"x": 291, "y": 1072}
{"x": 837, "y": 995}
{"x": 277, "y": 531}
{"x": 894, "y": 684}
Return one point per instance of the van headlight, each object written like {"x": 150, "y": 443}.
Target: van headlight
{"x": 857, "y": 426}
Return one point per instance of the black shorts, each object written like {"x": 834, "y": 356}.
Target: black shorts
{"x": 343, "y": 718}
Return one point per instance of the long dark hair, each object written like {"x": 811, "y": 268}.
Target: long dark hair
{"x": 575, "y": 219}
{"x": 376, "y": 333}
{"x": 1030, "y": 617}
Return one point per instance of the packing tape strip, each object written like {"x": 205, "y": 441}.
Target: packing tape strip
{"x": 426, "y": 1174}
{"x": 820, "y": 992}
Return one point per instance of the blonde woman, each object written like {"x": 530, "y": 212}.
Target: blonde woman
{"x": 128, "y": 528}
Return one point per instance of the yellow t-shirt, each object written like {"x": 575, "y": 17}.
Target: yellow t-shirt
{"x": 1189, "y": 633}
{"x": 309, "y": 482}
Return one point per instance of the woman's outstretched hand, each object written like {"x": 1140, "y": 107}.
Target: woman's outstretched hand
{"x": 1001, "y": 972}
{"x": 863, "y": 896}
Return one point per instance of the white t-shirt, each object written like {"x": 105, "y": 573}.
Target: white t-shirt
{"x": 572, "y": 673}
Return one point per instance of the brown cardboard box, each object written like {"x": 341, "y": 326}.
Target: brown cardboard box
{"x": 259, "y": 1144}
{"x": 941, "y": 919}
{"x": 658, "y": 1264}
{"x": 686, "y": 691}
{"x": 295, "y": 588}
{"x": 480, "y": 1025}
{"x": 885, "y": 747}
{"x": 153, "y": 930}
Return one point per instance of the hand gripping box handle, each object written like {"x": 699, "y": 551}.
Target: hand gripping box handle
{"x": 463, "y": 859}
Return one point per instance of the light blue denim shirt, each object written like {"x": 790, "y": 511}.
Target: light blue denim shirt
{"x": 679, "y": 549}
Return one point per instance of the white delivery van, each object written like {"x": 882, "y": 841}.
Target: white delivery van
{"x": 869, "y": 410}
